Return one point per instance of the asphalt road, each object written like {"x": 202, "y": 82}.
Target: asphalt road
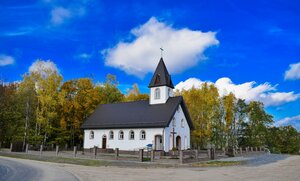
{"x": 17, "y": 169}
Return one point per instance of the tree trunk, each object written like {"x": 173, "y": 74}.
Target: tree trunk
{"x": 26, "y": 124}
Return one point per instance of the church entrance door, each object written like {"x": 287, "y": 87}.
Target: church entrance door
{"x": 104, "y": 142}
{"x": 178, "y": 142}
{"x": 158, "y": 142}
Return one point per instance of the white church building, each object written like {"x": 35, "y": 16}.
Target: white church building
{"x": 163, "y": 121}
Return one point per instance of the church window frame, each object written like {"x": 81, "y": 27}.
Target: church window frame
{"x": 111, "y": 135}
{"x": 174, "y": 122}
{"x": 182, "y": 123}
{"x": 92, "y": 135}
{"x": 143, "y": 135}
{"x": 131, "y": 135}
{"x": 157, "y": 93}
{"x": 170, "y": 92}
{"x": 121, "y": 135}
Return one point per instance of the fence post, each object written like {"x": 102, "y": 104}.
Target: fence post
{"x": 141, "y": 154}
{"x": 75, "y": 151}
{"x": 117, "y": 153}
{"x": 212, "y": 153}
{"x": 95, "y": 152}
{"x": 181, "y": 156}
{"x": 152, "y": 155}
{"x": 56, "y": 150}
{"x": 208, "y": 153}
{"x": 233, "y": 152}
{"x": 196, "y": 154}
{"x": 41, "y": 150}
{"x": 11, "y": 147}
{"x": 26, "y": 148}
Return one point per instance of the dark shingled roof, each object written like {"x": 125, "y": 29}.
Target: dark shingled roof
{"x": 138, "y": 114}
{"x": 161, "y": 76}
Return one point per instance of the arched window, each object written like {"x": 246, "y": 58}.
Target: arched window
{"x": 174, "y": 122}
{"x": 157, "y": 93}
{"x": 121, "y": 135}
{"x": 182, "y": 123}
{"x": 143, "y": 135}
{"x": 91, "y": 134}
{"x": 111, "y": 135}
{"x": 131, "y": 135}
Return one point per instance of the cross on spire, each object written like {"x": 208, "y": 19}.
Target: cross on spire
{"x": 161, "y": 51}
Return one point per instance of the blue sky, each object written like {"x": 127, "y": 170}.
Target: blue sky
{"x": 250, "y": 48}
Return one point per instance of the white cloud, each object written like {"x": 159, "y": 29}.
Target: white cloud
{"x": 84, "y": 56}
{"x": 293, "y": 72}
{"x": 60, "y": 14}
{"x": 248, "y": 91}
{"x": 41, "y": 66}
{"x": 184, "y": 48}
{"x": 189, "y": 83}
{"x": 295, "y": 121}
{"x": 6, "y": 60}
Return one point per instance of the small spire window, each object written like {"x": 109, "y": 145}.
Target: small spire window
{"x": 157, "y": 79}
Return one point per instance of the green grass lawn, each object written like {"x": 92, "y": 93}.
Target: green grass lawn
{"x": 216, "y": 163}
{"x": 76, "y": 161}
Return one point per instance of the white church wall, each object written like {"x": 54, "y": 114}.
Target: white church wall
{"x": 181, "y": 130}
{"x": 126, "y": 143}
{"x": 165, "y": 93}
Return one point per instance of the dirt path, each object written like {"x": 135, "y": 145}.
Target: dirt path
{"x": 12, "y": 169}
{"x": 287, "y": 169}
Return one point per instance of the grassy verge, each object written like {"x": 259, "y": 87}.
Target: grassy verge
{"x": 217, "y": 163}
{"x": 76, "y": 161}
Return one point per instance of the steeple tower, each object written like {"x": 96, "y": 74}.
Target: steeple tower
{"x": 161, "y": 85}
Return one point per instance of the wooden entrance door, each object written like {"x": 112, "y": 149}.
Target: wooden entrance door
{"x": 158, "y": 142}
{"x": 178, "y": 142}
{"x": 104, "y": 142}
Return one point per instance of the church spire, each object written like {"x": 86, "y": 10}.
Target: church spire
{"x": 161, "y": 76}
